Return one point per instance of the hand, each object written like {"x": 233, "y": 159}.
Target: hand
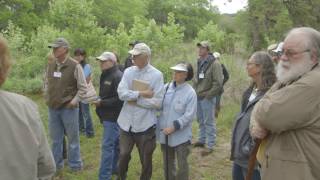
{"x": 146, "y": 93}
{"x": 168, "y": 131}
{"x": 71, "y": 105}
{"x": 97, "y": 103}
{"x": 258, "y": 132}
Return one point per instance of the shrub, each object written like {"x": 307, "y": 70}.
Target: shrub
{"x": 214, "y": 35}
{"x": 15, "y": 38}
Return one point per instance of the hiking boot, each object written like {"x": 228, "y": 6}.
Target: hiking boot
{"x": 198, "y": 144}
{"x": 206, "y": 152}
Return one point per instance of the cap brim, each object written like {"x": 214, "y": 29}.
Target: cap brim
{"x": 100, "y": 58}
{"x": 53, "y": 46}
{"x": 203, "y": 46}
{"x": 178, "y": 69}
{"x": 134, "y": 52}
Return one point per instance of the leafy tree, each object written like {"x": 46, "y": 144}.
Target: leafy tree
{"x": 191, "y": 14}
{"x": 304, "y": 12}
{"x": 75, "y": 18}
{"x": 23, "y": 13}
{"x": 110, "y": 13}
{"x": 146, "y": 31}
{"x": 265, "y": 22}
{"x": 117, "y": 41}
{"x": 212, "y": 33}
{"x": 172, "y": 33}
{"x": 15, "y": 38}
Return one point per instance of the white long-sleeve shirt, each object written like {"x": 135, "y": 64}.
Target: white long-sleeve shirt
{"x": 140, "y": 116}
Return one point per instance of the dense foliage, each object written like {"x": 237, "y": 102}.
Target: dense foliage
{"x": 99, "y": 25}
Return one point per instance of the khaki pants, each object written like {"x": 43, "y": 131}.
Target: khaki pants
{"x": 180, "y": 155}
{"x": 146, "y": 144}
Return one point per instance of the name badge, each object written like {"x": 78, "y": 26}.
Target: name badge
{"x": 201, "y": 75}
{"x": 57, "y": 74}
{"x": 107, "y": 83}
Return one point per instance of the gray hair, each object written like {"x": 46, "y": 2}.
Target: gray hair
{"x": 268, "y": 75}
{"x": 312, "y": 41}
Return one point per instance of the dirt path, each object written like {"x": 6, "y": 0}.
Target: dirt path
{"x": 215, "y": 166}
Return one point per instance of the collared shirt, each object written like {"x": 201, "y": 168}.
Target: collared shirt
{"x": 140, "y": 116}
{"x": 180, "y": 105}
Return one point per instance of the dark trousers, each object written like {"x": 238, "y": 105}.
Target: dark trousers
{"x": 239, "y": 173}
{"x": 146, "y": 144}
{"x": 180, "y": 155}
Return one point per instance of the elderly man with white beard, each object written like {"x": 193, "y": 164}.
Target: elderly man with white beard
{"x": 288, "y": 116}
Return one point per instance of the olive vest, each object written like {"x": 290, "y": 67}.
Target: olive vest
{"x": 62, "y": 88}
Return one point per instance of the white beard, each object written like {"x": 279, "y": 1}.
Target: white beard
{"x": 292, "y": 71}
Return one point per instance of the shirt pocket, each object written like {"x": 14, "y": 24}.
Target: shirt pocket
{"x": 179, "y": 106}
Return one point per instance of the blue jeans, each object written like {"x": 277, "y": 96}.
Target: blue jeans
{"x": 239, "y": 173}
{"x": 85, "y": 120}
{"x": 206, "y": 120}
{"x": 60, "y": 120}
{"x": 109, "y": 150}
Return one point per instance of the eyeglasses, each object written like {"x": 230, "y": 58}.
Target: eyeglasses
{"x": 290, "y": 53}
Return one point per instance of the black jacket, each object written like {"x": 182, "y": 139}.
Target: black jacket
{"x": 242, "y": 142}
{"x": 111, "y": 105}
{"x": 225, "y": 73}
{"x": 128, "y": 62}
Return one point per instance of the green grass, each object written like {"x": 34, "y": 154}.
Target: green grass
{"x": 216, "y": 166}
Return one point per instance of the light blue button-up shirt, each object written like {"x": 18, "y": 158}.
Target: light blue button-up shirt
{"x": 180, "y": 104}
{"x": 142, "y": 116}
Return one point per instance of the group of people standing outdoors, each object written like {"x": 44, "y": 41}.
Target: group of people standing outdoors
{"x": 278, "y": 114}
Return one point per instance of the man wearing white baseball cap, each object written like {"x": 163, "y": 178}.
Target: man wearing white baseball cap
{"x": 137, "y": 118}
{"x": 108, "y": 108}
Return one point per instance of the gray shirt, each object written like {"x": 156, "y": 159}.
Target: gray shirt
{"x": 24, "y": 152}
{"x": 140, "y": 116}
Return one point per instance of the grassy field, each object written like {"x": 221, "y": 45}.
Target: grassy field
{"x": 215, "y": 166}
{"x": 211, "y": 167}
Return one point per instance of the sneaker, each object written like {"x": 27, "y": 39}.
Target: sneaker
{"x": 206, "y": 152}
{"x": 198, "y": 144}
